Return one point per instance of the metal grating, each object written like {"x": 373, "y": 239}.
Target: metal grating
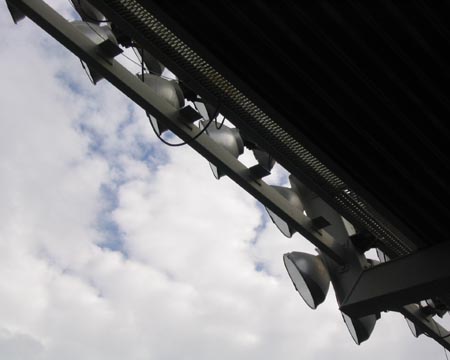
{"x": 353, "y": 207}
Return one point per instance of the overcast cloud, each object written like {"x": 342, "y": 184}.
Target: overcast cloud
{"x": 114, "y": 246}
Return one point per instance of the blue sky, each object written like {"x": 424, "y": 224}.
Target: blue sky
{"x": 115, "y": 246}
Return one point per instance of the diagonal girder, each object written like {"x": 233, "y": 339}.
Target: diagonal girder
{"x": 175, "y": 120}
{"x": 402, "y": 281}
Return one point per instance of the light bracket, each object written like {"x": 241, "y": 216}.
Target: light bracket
{"x": 108, "y": 50}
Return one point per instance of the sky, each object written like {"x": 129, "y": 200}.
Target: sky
{"x": 115, "y": 246}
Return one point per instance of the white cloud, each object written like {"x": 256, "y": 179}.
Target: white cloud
{"x": 186, "y": 284}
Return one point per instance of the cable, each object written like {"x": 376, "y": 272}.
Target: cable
{"x": 181, "y": 143}
{"x": 130, "y": 59}
{"x": 139, "y": 56}
{"x": 136, "y": 53}
{"x": 216, "y": 114}
{"x": 121, "y": 54}
{"x": 218, "y": 127}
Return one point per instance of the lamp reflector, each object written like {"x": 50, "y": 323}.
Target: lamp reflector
{"x": 153, "y": 65}
{"x": 294, "y": 200}
{"x": 159, "y": 128}
{"x": 16, "y": 14}
{"x": 206, "y": 110}
{"x": 360, "y": 328}
{"x": 167, "y": 89}
{"x": 382, "y": 256}
{"x": 87, "y": 11}
{"x": 215, "y": 171}
{"x": 414, "y": 329}
{"x": 98, "y": 35}
{"x": 264, "y": 159}
{"x": 229, "y": 139}
{"x": 282, "y": 225}
{"x": 309, "y": 276}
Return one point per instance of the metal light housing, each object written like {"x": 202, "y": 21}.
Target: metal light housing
{"x": 382, "y": 256}
{"x": 229, "y": 139}
{"x": 309, "y": 276}
{"x": 16, "y": 14}
{"x": 360, "y": 328}
{"x": 414, "y": 329}
{"x": 87, "y": 11}
{"x": 153, "y": 66}
{"x": 294, "y": 200}
{"x": 265, "y": 160}
{"x": 169, "y": 90}
{"x": 98, "y": 35}
{"x": 206, "y": 110}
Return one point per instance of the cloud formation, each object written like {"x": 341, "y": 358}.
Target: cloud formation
{"x": 113, "y": 246}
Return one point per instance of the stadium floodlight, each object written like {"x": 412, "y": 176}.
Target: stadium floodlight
{"x": 293, "y": 198}
{"x": 343, "y": 277}
{"x": 382, "y": 256}
{"x": 265, "y": 160}
{"x": 87, "y": 11}
{"x": 206, "y": 110}
{"x": 427, "y": 309}
{"x": 434, "y": 307}
{"x": 309, "y": 276}
{"x": 230, "y": 139}
{"x": 16, "y": 14}
{"x": 169, "y": 90}
{"x": 101, "y": 36}
{"x": 360, "y": 328}
{"x": 153, "y": 66}
{"x": 414, "y": 329}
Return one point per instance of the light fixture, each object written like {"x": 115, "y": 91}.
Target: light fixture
{"x": 153, "y": 66}
{"x": 265, "y": 160}
{"x": 309, "y": 276}
{"x": 16, "y": 14}
{"x": 206, "y": 110}
{"x": 426, "y": 310}
{"x": 229, "y": 139}
{"x": 169, "y": 90}
{"x": 87, "y": 11}
{"x": 434, "y": 307}
{"x": 103, "y": 37}
{"x": 294, "y": 200}
{"x": 416, "y": 331}
{"x": 360, "y": 328}
{"x": 382, "y": 256}
{"x": 312, "y": 274}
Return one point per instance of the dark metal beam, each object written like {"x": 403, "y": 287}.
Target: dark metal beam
{"x": 426, "y": 325}
{"x": 402, "y": 281}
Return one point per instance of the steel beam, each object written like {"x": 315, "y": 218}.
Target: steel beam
{"x": 426, "y": 325}
{"x": 402, "y": 281}
{"x": 174, "y": 119}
